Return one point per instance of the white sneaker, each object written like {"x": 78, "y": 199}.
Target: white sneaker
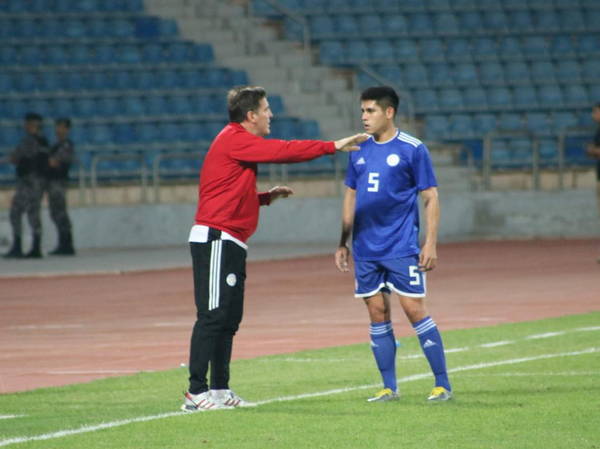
{"x": 200, "y": 402}
{"x": 228, "y": 399}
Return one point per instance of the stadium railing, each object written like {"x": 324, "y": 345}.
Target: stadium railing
{"x": 142, "y": 171}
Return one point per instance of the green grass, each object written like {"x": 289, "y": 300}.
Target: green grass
{"x": 540, "y": 401}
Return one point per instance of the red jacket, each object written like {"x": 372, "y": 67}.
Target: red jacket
{"x": 228, "y": 198}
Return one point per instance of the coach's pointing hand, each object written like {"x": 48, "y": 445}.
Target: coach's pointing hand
{"x": 350, "y": 143}
{"x": 279, "y": 192}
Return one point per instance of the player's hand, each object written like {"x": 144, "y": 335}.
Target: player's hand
{"x": 351, "y": 143}
{"x": 279, "y": 192}
{"x": 428, "y": 258}
{"x": 341, "y": 259}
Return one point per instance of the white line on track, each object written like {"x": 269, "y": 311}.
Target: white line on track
{"x": 546, "y": 374}
{"x": 110, "y": 425}
{"x": 11, "y": 416}
{"x": 117, "y": 371}
{"x": 33, "y": 327}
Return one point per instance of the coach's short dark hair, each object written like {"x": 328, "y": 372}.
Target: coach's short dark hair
{"x": 241, "y": 100}
{"x": 33, "y": 117}
{"x": 63, "y": 121}
{"x": 384, "y": 96}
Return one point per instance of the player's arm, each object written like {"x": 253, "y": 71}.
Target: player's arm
{"x": 593, "y": 151}
{"x": 267, "y": 198}
{"x": 341, "y": 255}
{"x": 428, "y": 256}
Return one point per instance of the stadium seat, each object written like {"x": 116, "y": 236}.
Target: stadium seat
{"x": 591, "y": 70}
{"x": 104, "y": 54}
{"x": 548, "y": 150}
{"x": 538, "y": 123}
{"x": 445, "y": 23}
{"x": 517, "y": 73}
{"x": 63, "y": 107}
{"x": 143, "y": 80}
{"x": 491, "y": 73}
{"x": 216, "y": 77}
{"x": 124, "y": 133}
{"x": 132, "y": 106}
{"x": 510, "y": 48}
{"x": 536, "y": 47}
{"x": 99, "y": 134}
{"x": 97, "y": 28}
{"x": 6, "y": 31}
{"x": 27, "y": 82}
{"x": 495, "y": 21}
{"x": 48, "y": 82}
{"x": 25, "y": 29}
{"x": 440, "y": 75}
{"x": 129, "y": 54}
{"x": 543, "y": 72}
{"x": 55, "y": 55}
{"x": 525, "y": 97}
{"x": 470, "y": 20}
{"x": 202, "y": 104}
{"x": 238, "y": 78}
{"x": 276, "y": 104}
{"x": 451, "y": 99}
{"x": 10, "y": 136}
{"x": 546, "y": 21}
{"x": 121, "y": 80}
{"x": 406, "y": 50}
{"x": 484, "y": 123}
{"x": 461, "y": 125}
{"x": 179, "y": 105}
{"x": 309, "y": 129}
{"x": 331, "y": 53}
{"x": 499, "y": 98}
{"x": 8, "y": 55}
{"x": 572, "y": 20}
{"x": 146, "y": 133}
{"x": 320, "y": 26}
{"x": 510, "y": 121}
{"x": 458, "y": 50}
{"x": 465, "y": 74}
{"x": 345, "y": 25}
{"x": 592, "y": 17}
{"x": 74, "y": 28}
{"x": 370, "y": 25}
{"x": 426, "y": 100}
{"x": 357, "y": 52}
{"x": 97, "y": 81}
{"x": 203, "y": 53}
{"x": 31, "y": 55}
{"x": 41, "y": 106}
{"x": 588, "y": 45}
{"x": 390, "y": 72}
{"x": 438, "y": 5}
{"x": 484, "y": 48}
{"x": 153, "y": 53}
{"x": 394, "y": 25}
{"x": 562, "y": 45}
{"x": 6, "y": 82}
{"x": 568, "y": 71}
{"x": 108, "y": 106}
{"x": 170, "y": 132}
{"x": 475, "y": 98}
{"x": 79, "y": 54}
{"x": 576, "y": 95}
{"x": 562, "y": 120}
{"x": 73, "y": 81}
{"x": 381, "y": 51}
{"x": 436, "y": 127}
{"x": 420, "y": 24}
{"x": 51, "y": 28}
{"x": 550, "y": 96}
{"x": 432, "y": 50}
{"x": 521, "y": 20}
{"x": 168, "y": 28}
{"x": 415, "y": 75}
{"x": 167, "y": 79}
{"x": 193, "y": 132}
{"x": 16, "y": 109}
{"x": 178, "y": 52}
{"x": 155, "y": 105}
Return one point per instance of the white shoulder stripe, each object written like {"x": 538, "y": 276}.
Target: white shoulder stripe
{"x": 414, "y": 142}
{"x": 408, "y": 137}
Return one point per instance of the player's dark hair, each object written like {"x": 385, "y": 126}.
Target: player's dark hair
{"x": 384, "y": 96}
{"x": 241, "y": 100}
{"x": 63, "y": 121}
{"x": 33, "y": 117}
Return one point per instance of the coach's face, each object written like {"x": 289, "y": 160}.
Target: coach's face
{"x": 375, "y": 120}
{"x": 261, "y": 119}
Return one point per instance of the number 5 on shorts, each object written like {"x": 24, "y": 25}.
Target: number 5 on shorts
{"x": 415, "y": 275}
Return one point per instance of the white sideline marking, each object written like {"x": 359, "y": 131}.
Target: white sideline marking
{"x": 496, "y": 344}
{"x": 569, "y": 373}
{"x": 546, "y": 335}
{"x": 110, "y": 425}
{"x": 11, "y": 416}
{"x": 117, "y": 371}
{"x": 588, "y": 329}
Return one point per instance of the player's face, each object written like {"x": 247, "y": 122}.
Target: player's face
{"x": 596, "y": 115}
{"x": 375, "y": 120}
{"x": 262, "y": 118}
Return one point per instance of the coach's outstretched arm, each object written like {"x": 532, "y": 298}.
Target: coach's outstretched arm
{"x": 350, "y": 143}
{"x": 343, "y": 252}
{"x": 428, "y": 256}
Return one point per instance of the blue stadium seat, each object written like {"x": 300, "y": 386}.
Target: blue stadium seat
{"x": 543, "y": 72}
{"x": 484, "y": 48}
{"x": 147, "y": 27}
{"x": 121, "y": 80}
{"x": 63, "y": 107}
{"x": 309, "y": 129}
{"x": 276, "y": 104}
{"x": 336, "y": 5}
{"x": 218, "y": 105}
{"x": 97, "y": 81}
{"x": 386, "y": 5}
{"x": 129, "y": 54}
{"x": 48, "y": 82}
{"x": 562, "y": 45}
{"x": 588, "y": 44}
{"x": 179, "y": 105}
{"x": 121, "y": 28}
{"x": 394, "y": 25}
{"x": 475, "y": 98}
{"x": 470, "y": 20}
{"x": 73, "y": 81}
{"x": 320, "y": 26}
{"x": 99, "y": 134}
{"x": 27, "y": 82}
{"x": 550, "y": 96}
{"x": 568, "y": 71}
{"x": 6, "y": 31}
{"x": 133, "y": 5}
{"x": 203, "y": 53}
{"x": 546, "y": 20}
{"x": 381, "y": 50}
{"x": 284, "y": 129}
{"x": 406, "y": 50}
{"x": 525, "y": 97}
{"x": 548, "y": 150}
{"x": 426, "y": 100}
{"x": 370, "y": 25}
{"x": 79, "y": 54}
{"x": 146, "y": 133}
{"x": 42, "y": 107}
{"x": 576, "y": 95}
{"x": 31, "y": 55}
{"x": 15, "y": 109}
{"x": 440, "y": 75}
{"x": 592, "y": 17}
{"x": 538, "y": 123}
{"x": 143, "y": 80}
{"x": 331, "y": 53}
{"x": 167, "y": 79}
{"x": 491, "y": 73}
{"x": 51, "y": 28}
{"x": 6, "y": 82}
{"x": 510, "y": 121}
{"x": 510, "y": 48}
{"x": 461, "y": 125}
{"x": 451, "y": 99}
{"x": 458, "y": 50}
{"x": 484, "y": 123}
{"x": 104, "y": 54}
{"x": 168, "y": 28}
{"x": 238, "y": 77}
{"x": 179, "y": 52}
{"x": 432, "y": 50}
{"x": 25, "y": 29}
{"x": 572, "y": 20}
{"x": 415, "y": 75}
{"x": 132, "y": 106}
{"x": 170, "y": 132}
{"x": 465, "y": 74}
{"x": 517, "y": 73}
{"x": 216, "y": 77}
{"x": 8, "y": 55}
{"x": 124, "y": 133}
{"x": 591, "y": 70}
{"x": 445, "y": 23}
{"x": 85, "y": 107}
{"x": 521, "y": 20}
{"x": 55, "y": 55}
{"x": 193, "y": 132}
{"x": 10, "y": 136}
{"x": 345, "y": 24}
{"x": 436, "y": 127}
{"x": 357, "y": 52}
{"x": 390, "y": 72}
{"x": 202, "y": 104}
{"x": 97, "y": 28}
{"x": 108, "y": 106}
{"x": 536, "y": 47}
{"x": 562, "y": 120}
{"x": 192, "y": 79}
{"x": 153, "y": 53}
{"x": 495, "y": 21}
{"x": 499, "y": 98}
{"x": 420, "y": 24}
{"x": 155, "y": 105}
{"x": 74, "y": 28}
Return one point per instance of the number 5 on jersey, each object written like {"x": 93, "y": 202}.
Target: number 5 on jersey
{"x": 373, "y": 182}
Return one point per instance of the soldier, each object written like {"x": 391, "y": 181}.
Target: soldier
{"x": 31, "y": 161}
{"x": 61, "y": 157}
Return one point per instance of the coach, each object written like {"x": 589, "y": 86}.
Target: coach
{"x": 227, "y": 216}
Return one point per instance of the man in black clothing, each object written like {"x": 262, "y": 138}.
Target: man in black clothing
{"x": 31, "y": 161}
{"x": 59, "y": 163}
{"x": 593, "y": 151}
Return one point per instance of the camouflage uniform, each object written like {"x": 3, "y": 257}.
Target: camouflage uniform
{"x": 58, "y": 182}
{"x": 31, "y": 160}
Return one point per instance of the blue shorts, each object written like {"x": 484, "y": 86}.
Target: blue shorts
{"x": 401, "y": 275}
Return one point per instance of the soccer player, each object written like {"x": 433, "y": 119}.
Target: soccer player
{"x": 593, "y": 151}
{"x": 380, "y": 208}
{"x": 227, "y": 216}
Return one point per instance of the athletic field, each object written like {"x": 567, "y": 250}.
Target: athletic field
{"x": 524, "y": 385}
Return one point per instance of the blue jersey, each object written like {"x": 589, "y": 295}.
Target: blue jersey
{"x": 387, "y": 178}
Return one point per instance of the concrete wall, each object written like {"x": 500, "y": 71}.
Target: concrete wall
{"x": 523, "y": 214}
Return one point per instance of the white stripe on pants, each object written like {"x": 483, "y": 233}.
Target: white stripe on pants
{"x": 214, "y": 290}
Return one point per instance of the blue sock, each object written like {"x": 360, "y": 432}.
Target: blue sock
{"x": 383, "y": 344}
{"x": 431, "y": 343}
